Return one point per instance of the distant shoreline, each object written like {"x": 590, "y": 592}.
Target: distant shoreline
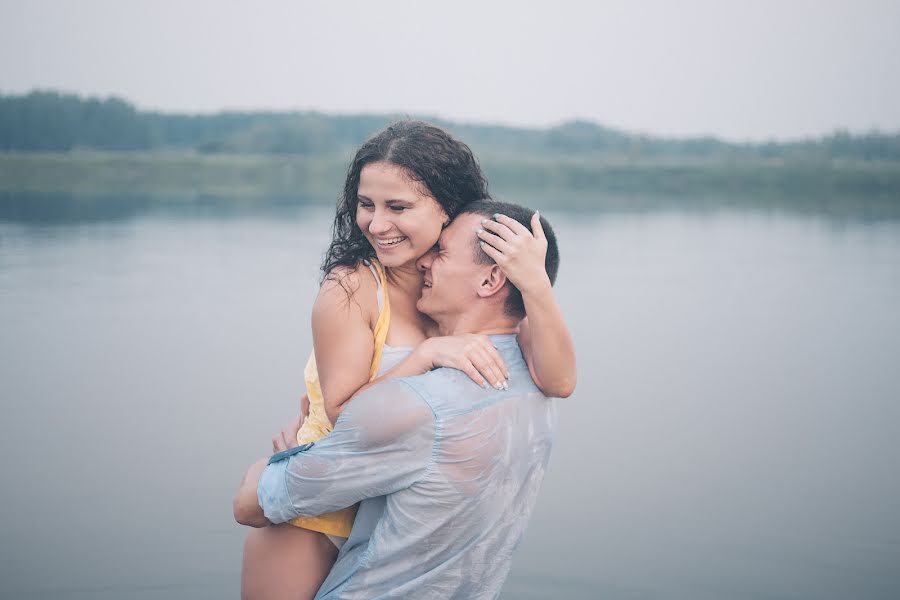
{"x": 49, "y": 121}
{"x": 87, "y": 172}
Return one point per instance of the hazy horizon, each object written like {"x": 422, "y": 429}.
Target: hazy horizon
{"x": 701, "y": 68}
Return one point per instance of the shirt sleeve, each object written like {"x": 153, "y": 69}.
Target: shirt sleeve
{"x": 382, "y": 443}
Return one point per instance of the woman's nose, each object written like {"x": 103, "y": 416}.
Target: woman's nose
{"x": 379, "y": 224}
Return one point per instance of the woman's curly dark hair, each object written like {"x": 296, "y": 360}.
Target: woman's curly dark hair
{"x": 430, "y": 156}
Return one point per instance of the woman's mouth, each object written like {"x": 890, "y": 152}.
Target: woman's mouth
{"x": 389, "y": 242}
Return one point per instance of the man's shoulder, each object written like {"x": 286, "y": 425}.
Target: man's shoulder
{"x": 449, "y": 391}
{"x": 383, "y": 391}
{"x": 391, "y": 399}
{"x": 439, "y": 380}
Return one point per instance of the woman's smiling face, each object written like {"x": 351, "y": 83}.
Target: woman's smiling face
{"x": 396, "y": 214}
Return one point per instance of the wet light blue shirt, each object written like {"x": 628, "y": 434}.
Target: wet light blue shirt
{"x": 447, "y": 473}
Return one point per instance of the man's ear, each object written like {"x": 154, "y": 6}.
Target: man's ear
{"x": 492, "y": 282}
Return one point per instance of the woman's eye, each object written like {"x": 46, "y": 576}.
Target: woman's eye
{"x": 398, "y": 208}
{"x": 366, "y": 205}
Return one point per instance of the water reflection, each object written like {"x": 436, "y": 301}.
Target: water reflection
{"x": 733, "y": 434}
{"x": 69, "y": 208}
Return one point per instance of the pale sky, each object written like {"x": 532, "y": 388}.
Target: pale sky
{"x": 735, "y": 69}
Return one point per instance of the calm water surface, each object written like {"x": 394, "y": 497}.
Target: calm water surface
{"x": 735, "y": 431}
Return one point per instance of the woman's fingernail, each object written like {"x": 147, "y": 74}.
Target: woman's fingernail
{"x": 479, "y": 232}
{"x": 506, "y": 385}
{"x": 482, "y": 243}
{"x": 484, "y": 384}
{"x": 483, "y": 221}
{"x": 538, "y": 213}
{"x": 499, "y": 385}
{"x": 496, "y": 216}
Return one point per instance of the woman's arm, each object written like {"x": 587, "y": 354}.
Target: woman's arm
{"x": 344, "y": 346}
{"x": 342, "y": 336}
{"x": 471, "y": 353}
{"x": 547, "y": 345}
{"x": 543, "y": 335}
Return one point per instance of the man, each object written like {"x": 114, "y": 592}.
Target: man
{"x": 447, "y": 472}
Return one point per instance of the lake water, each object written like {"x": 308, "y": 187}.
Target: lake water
{"x": 734, "y": 434}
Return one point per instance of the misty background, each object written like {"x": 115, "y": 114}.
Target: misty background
{"x": 767, "y": 70}
{"x": 724, "y": 180}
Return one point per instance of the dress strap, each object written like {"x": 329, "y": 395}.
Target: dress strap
{"x": 384, "y": 318}
{"x": 379, "y": 287}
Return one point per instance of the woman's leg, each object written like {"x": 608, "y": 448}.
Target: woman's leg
{"x": 285, "y": 562}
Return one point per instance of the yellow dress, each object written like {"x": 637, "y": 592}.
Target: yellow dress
{"x": 316, "y": 426}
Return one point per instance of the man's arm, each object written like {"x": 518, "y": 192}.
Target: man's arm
{"x": 382, "y": 443}
{"x": 247, "y": 510}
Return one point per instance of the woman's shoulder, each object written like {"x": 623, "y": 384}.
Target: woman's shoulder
{"x": 350, "y": 286}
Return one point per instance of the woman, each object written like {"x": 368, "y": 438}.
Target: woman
{"x": 404, "y": 185}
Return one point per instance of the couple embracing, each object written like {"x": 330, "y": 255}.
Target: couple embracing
{"x": 437, "y": 384}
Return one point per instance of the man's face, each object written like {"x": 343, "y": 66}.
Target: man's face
{"x": 452, "y": 277}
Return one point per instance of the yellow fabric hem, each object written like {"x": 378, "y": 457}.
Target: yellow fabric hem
{"x": 337, "y": 523}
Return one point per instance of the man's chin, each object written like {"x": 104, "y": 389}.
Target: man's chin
{"x": 423, "y": 305}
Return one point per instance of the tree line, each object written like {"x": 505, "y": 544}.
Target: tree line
{"x": 43, "y": 121}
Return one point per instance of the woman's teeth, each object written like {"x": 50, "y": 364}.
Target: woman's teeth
{"x": 390, "y": 242}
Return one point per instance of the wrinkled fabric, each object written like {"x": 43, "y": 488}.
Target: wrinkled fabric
{"x": 447, "y": 472}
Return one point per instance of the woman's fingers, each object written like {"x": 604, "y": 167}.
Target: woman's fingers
{"x": 492, "y": 252}
{"x": 494, "y": 240}
{"x": 515, "y": 228}
{"x": 280, "y": 443}
{"x": 483, "y": 364}
{"x": 473, "y": 354}
{"x": 498, "y": 360}
{"x": 536, "y": 228}
{"x": 304, "y": 404}
{"x": 469, "y": 369}
{"x": 511, "y": 237}
{"x": 287, "y": 437}
{"x": 490, "y": 364}
{"x": 507, "y": 229}
{"x": 491, "y": 372}
{"x": 521, "y": 254}
{"x": 498, "y": 229}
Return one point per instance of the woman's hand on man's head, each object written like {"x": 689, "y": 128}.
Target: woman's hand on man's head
{"x": 519, "y": 252}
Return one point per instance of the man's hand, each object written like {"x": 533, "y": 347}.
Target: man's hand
{"x": 287, "y": 437}
{"x": 246, "y": 503}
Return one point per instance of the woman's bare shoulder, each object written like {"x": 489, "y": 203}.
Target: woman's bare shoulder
{"x": 347, "y": 288}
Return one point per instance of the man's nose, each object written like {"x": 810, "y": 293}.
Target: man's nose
{"x": 424, "y": 262}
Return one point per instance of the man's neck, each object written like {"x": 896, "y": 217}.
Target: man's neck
{"x": 478, "y": 322}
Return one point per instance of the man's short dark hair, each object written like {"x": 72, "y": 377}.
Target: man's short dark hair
{"x": 515, "y": 306}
